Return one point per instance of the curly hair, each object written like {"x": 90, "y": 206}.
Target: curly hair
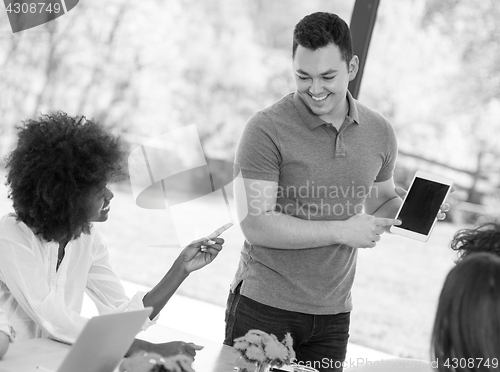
{"x": 485, "y": 238}
{"x": 56, "y": 164}
{"x": 319, "y": 29}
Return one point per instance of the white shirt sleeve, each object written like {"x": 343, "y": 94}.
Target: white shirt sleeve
{"x": 5, "y": 328}
{"x": 104, "y": 287}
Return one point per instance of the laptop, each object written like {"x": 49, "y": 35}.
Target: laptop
{"x": 103, "y": 342}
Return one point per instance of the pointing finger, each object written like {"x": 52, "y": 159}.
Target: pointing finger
{"x": 194, "y": 346}
{"x": 387, "y": 221}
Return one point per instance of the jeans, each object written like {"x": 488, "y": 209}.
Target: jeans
{"x": 319, "y": 341}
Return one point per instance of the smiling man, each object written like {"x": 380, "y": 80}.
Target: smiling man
{"x": 318, "y": 173}
{"x": 321, "y": 77}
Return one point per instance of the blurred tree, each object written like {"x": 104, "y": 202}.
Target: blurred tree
{"x": 146, "y": 67}
{"x": 473, "y": 102}
{"x": 415, "y": 76}
{"x": 223, "y": 74}
{"x": 403, "y": 79}
{"x": 275, "y": 20}
{"x": 71, "y": 64}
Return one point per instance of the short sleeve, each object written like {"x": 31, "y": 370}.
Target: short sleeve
{"x": 390, "y": 155}
{"x": 258, "y": 154}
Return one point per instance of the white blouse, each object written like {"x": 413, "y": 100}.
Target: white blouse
{"x": 4, "y": 326}
{"x": 42, "y": 302}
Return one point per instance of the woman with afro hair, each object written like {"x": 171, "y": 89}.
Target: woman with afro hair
{"x": 50, "y": 252}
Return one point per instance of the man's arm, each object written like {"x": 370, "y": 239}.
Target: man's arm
{"x": 383, "y": 201}
{"x": 263, "y": 225}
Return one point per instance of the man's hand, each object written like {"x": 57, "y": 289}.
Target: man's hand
{"x": 445, "y": 207}
{"x": 364, "y": 230}
{"x": 193, "y": 257}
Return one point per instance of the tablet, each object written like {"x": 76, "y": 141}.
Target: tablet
{"x": 418, "y": 212}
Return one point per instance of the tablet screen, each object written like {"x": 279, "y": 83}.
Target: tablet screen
{"x": 422, "y": 205}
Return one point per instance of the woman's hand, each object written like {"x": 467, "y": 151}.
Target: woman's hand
{"x": 169, "y": 349}
{"x": 149, "y": 361}
{"x": 165, "y": 349}
{"x": 200, "y": 253}
{"x": 195, "y": 256}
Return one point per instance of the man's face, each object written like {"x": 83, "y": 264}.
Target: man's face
{"x": 322, "y": 77}
{"x": 99, "y": 203}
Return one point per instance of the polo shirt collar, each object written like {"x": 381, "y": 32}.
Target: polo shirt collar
{"x": 353, "y": 113}
{"x": 313, "y": 121}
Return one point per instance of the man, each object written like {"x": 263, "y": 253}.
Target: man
{"x": 318, "y": 173}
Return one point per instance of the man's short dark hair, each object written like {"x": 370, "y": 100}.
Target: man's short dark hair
{"x": 58, "y": 161}
{"x": 319, "y": 29}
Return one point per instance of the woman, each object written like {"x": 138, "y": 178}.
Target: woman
{"x": 50, "y": 251}
{"x": 466, "y": 335}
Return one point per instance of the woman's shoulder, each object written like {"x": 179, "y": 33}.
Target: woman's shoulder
{"x": 8, "y": 218}
{"x": 10, "y": 226}
{"x": 15, "y": 234}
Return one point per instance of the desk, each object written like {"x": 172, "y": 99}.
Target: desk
{"x": 25, "y": 356}
{"x": 215, "y": 357}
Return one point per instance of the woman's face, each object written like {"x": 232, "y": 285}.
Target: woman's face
{"x": 100, "y": 198}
